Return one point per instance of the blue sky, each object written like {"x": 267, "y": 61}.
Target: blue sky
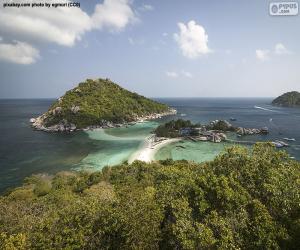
{"x": 170, "y": 48}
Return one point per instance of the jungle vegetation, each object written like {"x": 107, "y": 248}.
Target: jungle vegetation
{"x": 289, "y": 99}
{"x": 243, "y": 199}
{"x": 95, "y": 100}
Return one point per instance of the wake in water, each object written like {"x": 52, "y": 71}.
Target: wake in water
{"x": 266, "y": 109}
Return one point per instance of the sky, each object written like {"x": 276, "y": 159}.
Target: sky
{"x": 170, "y": 48}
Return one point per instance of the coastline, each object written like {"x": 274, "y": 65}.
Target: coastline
{"x": 149, "y": 148}
{"x": 39, "y": 123}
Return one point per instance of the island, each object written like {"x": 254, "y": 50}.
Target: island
{"x": 289, "y": 99}
{"x": 214, "y": 131}
{"x": 98, "y": 103}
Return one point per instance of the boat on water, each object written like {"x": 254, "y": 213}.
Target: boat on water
{"x": 289, "y": 139}
{"x": 232, "y": 119}
{"x": 277, "y": 144}
{"x": 280, "y": 144}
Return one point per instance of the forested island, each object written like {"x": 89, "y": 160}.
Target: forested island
{"x": 98, "y": 103}
{"x": 214, "y": 131}
{"x": 243, "y": 199}
{"x": 289, "y": 99}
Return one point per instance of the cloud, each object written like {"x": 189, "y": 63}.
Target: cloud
{"x": 165, "y": 34}
{"x": 171, "y": 74}
{"x": 114, "y": 15}
{"x": 146, "y": 7}
{"x": 174, "y": 74}
{"x": 280, "y": 49}
{"x": 262, "y": 55}
{"x": 134, "y": 41}
{"x": 186, "y": 74}
{"x": 61, "y": 25}
{"x": 18, "y": 52}
{"x": 192, "y": 40}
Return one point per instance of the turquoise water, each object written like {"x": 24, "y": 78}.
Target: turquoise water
{"x": 115, "y": 145}
{"x": 24, "y": 151}
{"x": 192, "y": 151}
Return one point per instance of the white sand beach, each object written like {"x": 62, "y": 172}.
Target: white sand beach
{"x": 148, "y": 149}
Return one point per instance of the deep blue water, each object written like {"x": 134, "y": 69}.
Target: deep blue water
{"x": 24, "y": 151}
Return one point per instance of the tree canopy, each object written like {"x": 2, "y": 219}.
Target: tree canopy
{"x": 95, "y": 100}
{"x": 289, "y": 99}
{"x": 244, "y": 199}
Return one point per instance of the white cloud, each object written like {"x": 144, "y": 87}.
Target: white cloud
{"x": 146, "y": 7}
{"x": 114, "y": 15}
{"x": 138, "y": 41}
{"x": 165, "y": 34}
{"x": 280, "y": 49}
{"x": 192, "y": 40}
{"x": 186, "y": 74}
{"x": 61, "y": 25}
{"x": 262, "y": 55}
{"x": 18, "y": 52}
{"x": 172, "y": 74}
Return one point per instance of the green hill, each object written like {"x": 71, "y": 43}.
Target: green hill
{"x": 241, "y": 200}
{"x": 97, "y": 103}
{"x": 289, "y": 99}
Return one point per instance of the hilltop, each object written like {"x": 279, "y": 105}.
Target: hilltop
{"x": 244, "y": 199}
{"x": 289, "y": 99}
{"x": 98, "y": 103}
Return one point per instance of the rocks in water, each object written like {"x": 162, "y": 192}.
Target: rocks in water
{"x": 221, "y": 125}
{"x": 251, "y": 131}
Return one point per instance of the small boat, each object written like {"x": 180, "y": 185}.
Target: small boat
{"x": 289, "y": 139}
{"x": 232, "y": 119}
{"x": 182, "y": 114}
{"x": 282, "y": 143}
{"x": 277, "y": 144}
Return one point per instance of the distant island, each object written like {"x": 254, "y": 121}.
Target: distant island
{"x": 289, "y": 99}
{"x": 98, "y": 103}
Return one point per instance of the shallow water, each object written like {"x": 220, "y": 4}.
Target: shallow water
{"x": 116, "y": 145}
{"x": 24, "y": 151}
{"x": 193, "y": 151}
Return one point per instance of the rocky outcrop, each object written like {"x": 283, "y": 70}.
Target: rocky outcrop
{"x": 221, "y": 125}
{"x": 251, "y": 131}
{"x": 65, "y": 126}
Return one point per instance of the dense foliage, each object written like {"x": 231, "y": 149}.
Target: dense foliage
{"x": 171, "y": 129}
{"x": 95, "y": 100}
{"x": 241, "y": 200}
{"x": 289, "y": 99}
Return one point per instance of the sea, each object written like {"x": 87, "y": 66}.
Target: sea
{"x": 24, "y": 151}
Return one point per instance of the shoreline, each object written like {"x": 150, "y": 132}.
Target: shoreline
{"x": 65, "y": 126}
{"x": 149, "y": 148}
